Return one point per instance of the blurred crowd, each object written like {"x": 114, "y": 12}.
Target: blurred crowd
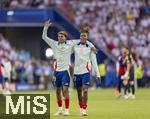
{"x": 32, "y": 3}
{"x": 24, "y": 68}
{"x": 27, "y": 3}
{"x": 112, "y": 23}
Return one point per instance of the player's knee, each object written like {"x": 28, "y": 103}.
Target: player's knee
{"x": 66, "y": 91}
{"x": 85, "y": 90}
{"x": 58, "y": 90}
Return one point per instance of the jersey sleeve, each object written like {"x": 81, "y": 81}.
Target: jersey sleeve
{"x": 94, "y": 64}
{"x": 90, "y": 44}
{"x": 48, "y": 40}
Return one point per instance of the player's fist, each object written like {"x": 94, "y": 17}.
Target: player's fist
{"x": 54, "y": 81}
{"x": 47, "y": 23}
{"x": 98, "y": 79}
{"x": 93, "y": 49}
{"x": 125, "y": 82}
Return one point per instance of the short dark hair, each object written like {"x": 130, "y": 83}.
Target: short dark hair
{"x": 84, "y": 30}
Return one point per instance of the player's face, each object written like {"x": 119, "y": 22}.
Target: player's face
{"x": 127, "y": 51}
{"x": 123, "y": 52}
{"x": 61, "y": 38}
{"x": 83, "y": 37}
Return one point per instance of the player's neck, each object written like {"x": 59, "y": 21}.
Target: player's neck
{"x": 83, "y": 43}
{"x": 61, "y": 42}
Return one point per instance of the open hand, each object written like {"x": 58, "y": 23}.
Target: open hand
{"x": 47, "y": 23}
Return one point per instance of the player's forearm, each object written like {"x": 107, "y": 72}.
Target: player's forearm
{"x": 48, "y": 40}
{"x": 128, "y": 67}
{"x": 94, "y": 63}
{"x": 117, "y": 67}
{"x": 97, "y": 71}
{"x": 44, "y": 35}
{"x": 128, "y": 70}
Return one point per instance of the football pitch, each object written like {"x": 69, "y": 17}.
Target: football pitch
{"x": 103, "y": 105}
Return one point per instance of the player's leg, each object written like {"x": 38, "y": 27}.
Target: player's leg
{"x": 131, "y": 77}
{"x": 59, "y": 97}
{"x": 126, "y": 86}
{"x": 102, "y": 81}
{"x": 78, "y": 84}
{"x": 119, "y": 84}
{"x": 65, "y": 84}
{"x": 129, "y": 89}
{"x": 85, "y": 86}
{"x": 66, "y": 99}
{"x": 132, "y": 84}
{"x": 1, "y": 83}
{"x": 6, "y": 86}
{"x": 148, "y": 77}
{"x": 58, "y": 93}
{"x": 85, "y": 99}
{"x": 80, "y": 101}
{"x": 129, "y": 86}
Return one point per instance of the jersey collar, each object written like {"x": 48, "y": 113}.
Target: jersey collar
{"x": 62, "y": 43}
{"x": 83, "y": 44}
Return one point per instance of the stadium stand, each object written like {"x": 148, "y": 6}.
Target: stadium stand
{"x": 113, "y": 23}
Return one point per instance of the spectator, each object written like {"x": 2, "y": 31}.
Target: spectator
{"x": 47, "y": 73}
{"x": 102, "y": 70}
{"x": 147, "y": 74}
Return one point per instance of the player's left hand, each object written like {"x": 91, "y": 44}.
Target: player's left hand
{"x": 54, "y": 81}
{"x": 99, "y": 79}
{"x": 125, "y": 82}
{"x": 124, "y": 77}
{"x": 93, "y": 49}
{"x": 47, "y": 23}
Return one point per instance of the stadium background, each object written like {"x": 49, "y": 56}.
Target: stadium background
{"x": 113, "y": 23}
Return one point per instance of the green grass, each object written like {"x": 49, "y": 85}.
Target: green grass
{"x": 103, "y": 105}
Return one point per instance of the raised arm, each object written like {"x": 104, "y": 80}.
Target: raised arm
{"x": 48, "y": 40}
{"x": 94, "y": 64}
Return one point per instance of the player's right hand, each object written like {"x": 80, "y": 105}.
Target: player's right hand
{"x": 47, "y": 23}
{"x": 54, "y": 81}
{"x": 99, "y": 79}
